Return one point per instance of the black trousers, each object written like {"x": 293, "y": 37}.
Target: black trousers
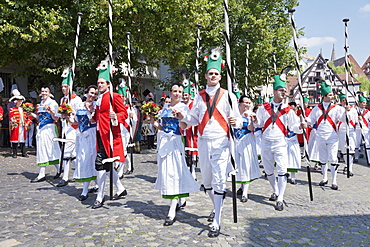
{"x": 101, "y": 155}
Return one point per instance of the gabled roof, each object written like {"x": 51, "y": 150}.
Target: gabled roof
{"x": 341, "y": 61}
{"x": 364, "y": 65}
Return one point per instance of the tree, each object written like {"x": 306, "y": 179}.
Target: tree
{"x": 39, "y": 35}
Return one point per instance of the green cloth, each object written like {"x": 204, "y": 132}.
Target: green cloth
{"x": 278, "y": 83}
{"x": 305, "y": 99}
{"x": 175, "y": 196}
{"x": 295, "y": 170}
{"x": 245, "y": 182}
{"x": 81, "y": 180}
{"x": 53, "y": 162}
{"x": 325, "y": 88}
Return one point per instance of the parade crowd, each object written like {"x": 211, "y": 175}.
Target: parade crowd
{"x": 188, "y": 129}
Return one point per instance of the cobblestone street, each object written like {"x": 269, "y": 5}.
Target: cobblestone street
{"x": 41, "y": 214}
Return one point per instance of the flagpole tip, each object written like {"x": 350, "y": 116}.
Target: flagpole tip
{"x": 248, "y": 42}
{"x": 346, "y": 20}
{"x": 128, "y": 33}
{"x": 79, "y": 14}
{"x": 291, "y": 10}
{"x": 198, "y": 25}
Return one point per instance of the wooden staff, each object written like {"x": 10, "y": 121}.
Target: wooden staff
{"x": 246, "y": 67}
{"x": 131, "y": 144}
{"x": 291, "y": 12}
{"x": 196, "y": 75}
{"x": 230, "y": 91}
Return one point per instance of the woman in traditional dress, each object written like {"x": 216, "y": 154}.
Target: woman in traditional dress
{"x": 174, "y": 179}
{"x": 245, "y": 149}
{"x": 47, "y": 150}
{"x": 18, "y": 122}
{"x": 85, "y": 141}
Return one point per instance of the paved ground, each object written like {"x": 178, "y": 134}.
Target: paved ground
{"x": 42, "y": 214}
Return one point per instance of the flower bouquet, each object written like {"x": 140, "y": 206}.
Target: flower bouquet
{"x": 150, "y": 108}
{"x": 28, "y": 107}
{"x": 65, "y": 109}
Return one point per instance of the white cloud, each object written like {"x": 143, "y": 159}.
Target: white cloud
{"x": 316, "y": 41}
{"x": 365, "y": 9}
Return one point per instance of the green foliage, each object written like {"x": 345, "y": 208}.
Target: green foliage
{"x": 39, "y": 35}
{"x": 365, "y": 84}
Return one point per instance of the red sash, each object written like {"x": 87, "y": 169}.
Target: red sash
{"x": 364, "y": 119}
{"x": 278, "y": 121}
{"x": 326, "y": 116}
{"x": 216, "y": 114}
{"x": 350, "y": 122}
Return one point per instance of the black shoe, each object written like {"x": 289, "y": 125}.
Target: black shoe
{"x": 211, "y": 217}
{"x": 168, "y": 221}
{"x": 322, "y": 183}
{"x": 57, "y": 175}
{"x": 128, "y": 172}
{"x": 14, "y": 155}
{"x": 334, "y": 187}
{"x": 292, "y": 181}
{"x": 36, "y": 180}
{"x": 273, "y": 197}
{"x": 355, "y": 160}
{"x": 213, "y": 232}
{"x": 82, "y": 197}
{"x": 279, "y": 206}
{"x": 116, "y": 196}
{"x": 244, "y": 199}
{"x": 361, "y": 156}
{"x": 97, "y": 204}
{"x": 178, "y": 207}
{"x": 24, "y": 155}
{"x": 62, "y": 183}
{"x": 93, "y": 190}
{"x": 351, "y": 174}
{"x": 239, "y": 192}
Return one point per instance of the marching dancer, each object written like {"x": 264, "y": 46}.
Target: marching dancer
{"x": 47, "y": 150}
{"x": 245, "y": 149}
{"x": 342, "y": 141}
{"x": 174, "y": 179}
{"x": 86, "y": 142}
{"x": 326, "y": 115}
{"x": 364, "y": 118}
{"x": 108, "y": 113}
{"x": 18, "y": 122}
{"x": 68, "y": 128}
{"x": 213, "y": 114}
{"x": 276, "y": 118}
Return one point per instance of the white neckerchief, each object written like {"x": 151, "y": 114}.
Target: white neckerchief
{"x": 100, "y": 96}
{"x": 326, "y": 105}
{"x": 212, "y": 90}
{"x": 276, "y": 105}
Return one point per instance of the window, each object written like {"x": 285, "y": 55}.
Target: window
{"x": 7, "y": 84}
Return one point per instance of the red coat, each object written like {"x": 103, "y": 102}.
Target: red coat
{"x": 103, "y": 121}
{"x": 15, "y": 123}
{"x": 192, "y": 136}
{"x": 1, "y": 113}
{"x": 307, "y": 112}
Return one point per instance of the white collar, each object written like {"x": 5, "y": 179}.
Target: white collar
{"x": 212, "y": 90}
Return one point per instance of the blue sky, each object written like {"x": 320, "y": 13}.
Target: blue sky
{"x": 324, "y": 27}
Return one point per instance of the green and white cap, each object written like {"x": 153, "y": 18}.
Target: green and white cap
{"x": 121, "y": 87}
{"x": 214, "y": 60}
{"x": 67, "y": 76}
{"x": 189, "y": 87}
{"x": 104, "y": 69}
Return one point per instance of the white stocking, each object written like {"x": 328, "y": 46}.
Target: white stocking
{"x": 282, "y": 180}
